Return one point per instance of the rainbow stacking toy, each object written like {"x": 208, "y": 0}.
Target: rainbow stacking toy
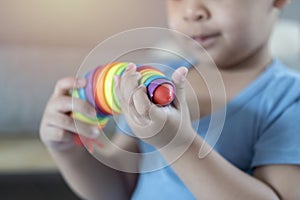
{"x": 100, "y": 92}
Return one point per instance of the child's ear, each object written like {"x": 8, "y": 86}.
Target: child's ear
{"x": 281, "y": 3}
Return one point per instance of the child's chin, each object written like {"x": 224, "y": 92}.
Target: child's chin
{"x": 210, "y": 58}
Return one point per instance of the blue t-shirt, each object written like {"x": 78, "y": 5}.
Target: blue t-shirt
{"x": 262, "y": 127}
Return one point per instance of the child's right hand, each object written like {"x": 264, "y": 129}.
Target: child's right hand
{"x": 57, "y": 126}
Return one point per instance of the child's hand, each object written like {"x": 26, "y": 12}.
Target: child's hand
{"x": 57, "y": 125}
{"x": 155, "y": 125}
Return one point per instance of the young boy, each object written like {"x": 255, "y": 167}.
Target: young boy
{"x": 257, "y": 155}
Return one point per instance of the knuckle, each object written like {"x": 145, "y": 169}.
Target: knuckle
{"x": 81, "y": 106}
{"x": 59, "y": 83}
{"x": 61, "y": 134}
{"x": 57, "y": 136}
{"x": 66, "y": 81}
{"x": 82, "y": 128}
{"x": 67, "y": 121}
{"x": 51, "y": 103}
{"x": 60, "y": 102}
{"x": 65, "y": 101}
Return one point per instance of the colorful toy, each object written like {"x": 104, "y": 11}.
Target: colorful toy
{"x": 100, "y": 92}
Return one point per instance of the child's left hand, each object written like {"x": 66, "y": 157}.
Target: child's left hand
{"x": 155, "y": 125}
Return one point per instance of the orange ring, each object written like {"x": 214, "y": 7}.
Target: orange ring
{"x": 100, "y": 94}
{"x": 96, "y": 87}
{"x": 143, "y": 67}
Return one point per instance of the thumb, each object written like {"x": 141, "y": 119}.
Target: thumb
{"x": 179, "y": 78}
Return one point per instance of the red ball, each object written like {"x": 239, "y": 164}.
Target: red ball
{"x": 164, "y": 94}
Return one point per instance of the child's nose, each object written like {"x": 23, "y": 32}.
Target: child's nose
{"x": 195, "y": 10}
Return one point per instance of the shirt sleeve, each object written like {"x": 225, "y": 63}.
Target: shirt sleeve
{"x": 280, "y": 142}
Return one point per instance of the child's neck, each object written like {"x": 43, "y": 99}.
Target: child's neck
{"x": 240, "y": 75}
{"x": 235, "y": 79}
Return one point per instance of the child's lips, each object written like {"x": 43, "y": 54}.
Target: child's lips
{"x": 206, "y": 40}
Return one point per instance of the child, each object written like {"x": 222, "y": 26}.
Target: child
{"x": 257, "y": 155}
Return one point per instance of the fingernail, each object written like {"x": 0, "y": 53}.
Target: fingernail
{"x": 129, "y": 67}
{"x": 95, "y": 133}
{"x": 184, "y": 73}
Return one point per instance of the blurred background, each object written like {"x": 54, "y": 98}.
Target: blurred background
{"x": 42, "y": 41}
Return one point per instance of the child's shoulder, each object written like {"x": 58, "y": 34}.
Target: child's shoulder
{"x": 284, "y": 71}
{"x": 281, "y": 89}
{"x": 284, "y": 81}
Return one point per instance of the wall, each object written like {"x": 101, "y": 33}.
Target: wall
{"x": 41, "y": 41}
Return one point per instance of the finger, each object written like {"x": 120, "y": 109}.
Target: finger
{"x": 117, "y": 90}
{"x": 129, "y": 82}
{"x": 179, "y": 78}
{"x": 87, "y": 130}
{"x": 130, "y": 112}
{"x": 157, "y": 113}
{"x": 66, "y": 104}
{"x": 57, "y": 139}
{"x": 55, "y": 134}
{"x": 64, "y": 85}
{"x": 141, "y": 101}
{"x": 67, "y": 123}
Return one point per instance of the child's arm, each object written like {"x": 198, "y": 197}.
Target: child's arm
{"x": 210, "y": 177}
{"x": 213, "y": 177}
{"x": 88, "y": 177}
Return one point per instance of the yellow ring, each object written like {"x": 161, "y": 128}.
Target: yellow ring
{"x": 109, "y": 86}
{"x": 148, "y": 74}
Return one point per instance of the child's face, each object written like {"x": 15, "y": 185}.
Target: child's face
{"x": 230, "y": 30}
